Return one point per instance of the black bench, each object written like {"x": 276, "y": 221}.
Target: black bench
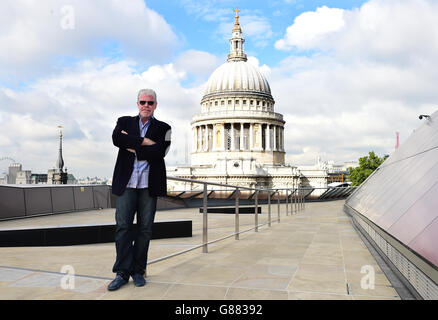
{"x": 227, "y": 210}
{"x": 85, "y": 234}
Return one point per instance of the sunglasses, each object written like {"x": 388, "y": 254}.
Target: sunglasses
{"x": 151, "y": 103}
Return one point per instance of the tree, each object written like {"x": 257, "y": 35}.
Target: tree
{"x": 367, "y": 165}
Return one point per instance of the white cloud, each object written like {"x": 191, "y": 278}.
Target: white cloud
{"x": 37, "y": 34}
{"x": 197, "y": 62}
{"x": 391, "y": 31}
{"x": 310, "y": 27}
{"x": 86, "y": 101}
{"x": 364, "y": 81}
{"x": 264, "y": 69}
{"x": 254, "y": 27}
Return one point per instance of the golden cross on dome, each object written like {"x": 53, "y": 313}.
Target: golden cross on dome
{"x": 237, "y": 12}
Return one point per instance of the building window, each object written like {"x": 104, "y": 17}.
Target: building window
{"x": 229, "y": 102}
{"x": 271, "y": 137}
{"x": 227, "y": 136}
{"x": 237, "y": 101}
{"x": 210, "y": 137}
{"x": 263, "y": 136}
{"x": 237, "y": 136}
{"x": 222, "y": 102}
{"x": 246, "y": 136}
{"x": 215, "y": 103}
{"x": 244, "y": 101}
{"x": 251, "y": 102}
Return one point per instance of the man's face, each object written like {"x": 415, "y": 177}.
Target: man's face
{"x": 146, "y": 110}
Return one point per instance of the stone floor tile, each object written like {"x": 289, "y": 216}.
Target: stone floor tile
{"x": 193, "y": 292}
{"x": 292, "y": 295}
{"x": 379, "y": 290}
{"x": 255, "y": 294}
{"x": 336, "y": 287}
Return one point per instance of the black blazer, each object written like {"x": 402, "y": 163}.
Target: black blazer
{"x": 159, "y": 132}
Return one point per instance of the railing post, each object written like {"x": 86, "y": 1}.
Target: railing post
{"x": 304, "y": 202}
{"x": 287, "y": 204}
{"x": 256, "y": 217}
{"x": 299, "y": 200}
{"x": 205, "y": 222}
{"x": 292, "y": 202}
{"x": 278, "y": 192}
{"x": 236, "y": 228}
{"x": 296, "y": 200}
{"x": 269, "y": 208}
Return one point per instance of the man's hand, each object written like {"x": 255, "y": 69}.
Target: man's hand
{"x": 147, "y": 142}
{"x": 130, "y": 150}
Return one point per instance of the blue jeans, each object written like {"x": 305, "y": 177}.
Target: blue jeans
{"x": 132, "y": 251}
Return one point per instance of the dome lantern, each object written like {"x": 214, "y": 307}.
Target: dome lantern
{"x": 236, "y": 42}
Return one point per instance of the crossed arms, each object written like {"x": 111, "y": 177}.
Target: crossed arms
{"x": 144, "y": 148}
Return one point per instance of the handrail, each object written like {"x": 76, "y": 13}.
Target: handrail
{"x": 299, "y": 205}
{"x": 297, "y": 202}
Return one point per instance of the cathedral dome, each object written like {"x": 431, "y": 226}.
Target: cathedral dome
{"x": 237, "y": 122}
{"x": 237, "y": 76}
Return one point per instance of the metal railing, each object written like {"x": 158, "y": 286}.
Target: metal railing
{"x": 296, "y": 198}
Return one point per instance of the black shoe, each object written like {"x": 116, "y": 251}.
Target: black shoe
{"x": 139, "y": 280}
{"x": 117, "y": 283}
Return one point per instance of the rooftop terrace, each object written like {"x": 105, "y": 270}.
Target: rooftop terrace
{"x": 315, "y": 253}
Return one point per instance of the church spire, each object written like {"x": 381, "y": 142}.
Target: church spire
{"x": 236, "y": 42}
{"x": 60, "y": 161}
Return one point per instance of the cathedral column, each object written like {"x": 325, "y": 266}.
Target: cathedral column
{"x": 233, "y": 141}
{"x": 206, "y": 138}
{"x": 279, "y": 138}
{"x": 210, "y": 137}
{"x": 260, "y": 137}
{"x": 251, "y": 138}
{"x": 197, "y": 139}
{"x": 224, "y": 137}
{"x": 201, "y": 138}
{"x": 268, "y": 138}
{"x": 257, "y": 137}
{"x": 274, "y": 147}
{"x": 241, "y": 136}
{"x": 193, "y": 139}
{"x": 282, "y": 138}
{"x": 216, "y": 137}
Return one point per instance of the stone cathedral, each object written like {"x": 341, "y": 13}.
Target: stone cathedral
{"x": 238, "y": 138}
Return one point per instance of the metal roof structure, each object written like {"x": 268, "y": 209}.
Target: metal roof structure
{"x": 399, "y": 200}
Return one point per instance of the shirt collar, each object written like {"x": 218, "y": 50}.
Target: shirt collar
{"x": 147, "y": 123}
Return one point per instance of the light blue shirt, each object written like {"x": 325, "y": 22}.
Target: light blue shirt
{"x": 140, "y": 174}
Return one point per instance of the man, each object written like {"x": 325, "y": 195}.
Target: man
{"x": 139, "y": 178}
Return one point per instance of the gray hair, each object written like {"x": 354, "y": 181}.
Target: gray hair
{"x": 148, "y": 92}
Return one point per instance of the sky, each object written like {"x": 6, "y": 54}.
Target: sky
{"x": 346, "y": 74}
